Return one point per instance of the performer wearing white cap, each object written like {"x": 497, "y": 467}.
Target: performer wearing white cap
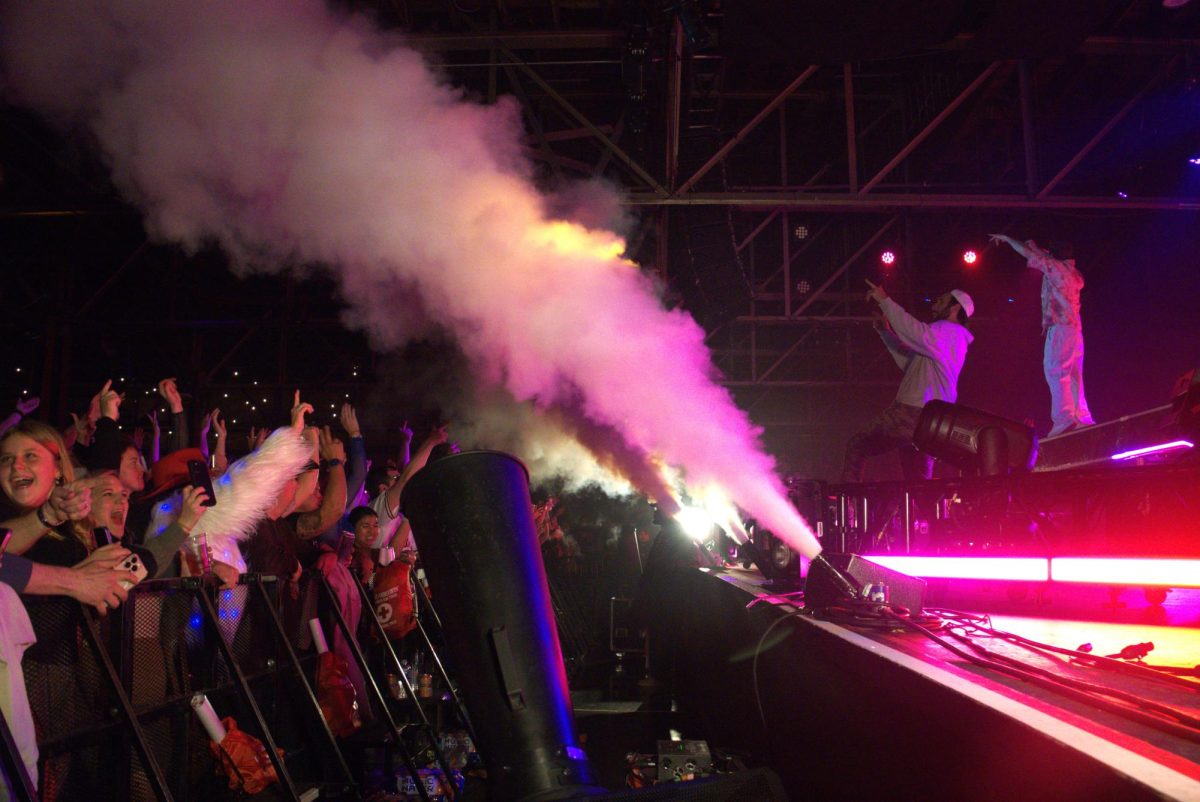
{"x": 931, "y": 356}
{"x": 1062, "y": 327}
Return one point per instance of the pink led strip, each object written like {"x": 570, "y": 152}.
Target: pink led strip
{"x": 1141, "y": 452}
{"x": 1027, "y": 569}
{"x": 1126, "y": 571}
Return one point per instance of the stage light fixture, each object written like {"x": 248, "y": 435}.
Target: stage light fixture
{"x": 975, "y": 441}
{"x": 888, "y": 257}
{"x": 804, "y": 286}
{"x": 1174, "y": 445}
{"x": 970, "y": 257}
{"x": 801, "y": 232}
{"x": 1194, "y": 160}
{"x": 1015, "y": 569}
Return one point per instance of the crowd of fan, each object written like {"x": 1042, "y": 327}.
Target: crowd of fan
{"x": 78, "y": 502}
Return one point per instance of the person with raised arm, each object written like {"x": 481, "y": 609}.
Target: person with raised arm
{"x": 931, "y": 356}
{"x": 1062, "y": 327}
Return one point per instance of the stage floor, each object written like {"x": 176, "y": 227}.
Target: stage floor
{"x": 915, "y": 719}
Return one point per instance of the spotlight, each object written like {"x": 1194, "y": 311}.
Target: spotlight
{"x": 801, "y": 232}
{"x": 1122, "y": 194}
{"x": 970, "y": 257}
{"x": 695, "y": 523}
{"x": 804, "y": 286}
{"x": 888, "y": 257}
{"x": 1194, "y": 160}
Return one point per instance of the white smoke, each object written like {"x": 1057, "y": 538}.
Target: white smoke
{"x": 288, "y": 135}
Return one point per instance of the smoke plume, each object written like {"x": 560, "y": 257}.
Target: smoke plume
{"x": 290, "y": 135}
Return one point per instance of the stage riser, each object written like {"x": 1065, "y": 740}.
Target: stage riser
{"x": 845, "y": 723}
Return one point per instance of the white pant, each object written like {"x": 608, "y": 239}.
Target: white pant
{"x": 1063, "y": 365}
{"x": 16, "y": 635}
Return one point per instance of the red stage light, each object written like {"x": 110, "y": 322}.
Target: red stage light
{"x": 970, "y": 257}
{"x": 887, "y": 257}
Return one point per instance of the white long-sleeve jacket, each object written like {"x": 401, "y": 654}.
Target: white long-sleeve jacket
{"x": 930, "y": 354}
{"x": 1061, "y": 285}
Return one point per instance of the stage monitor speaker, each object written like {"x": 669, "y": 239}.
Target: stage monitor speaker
{"x": 823, "y": 590}
{"x": 975, "y": 441}
{"x": 473, "y": 522}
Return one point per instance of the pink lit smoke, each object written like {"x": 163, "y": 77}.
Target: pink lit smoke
{"x": 291, "y": 136}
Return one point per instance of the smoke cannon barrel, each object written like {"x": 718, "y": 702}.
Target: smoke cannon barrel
{"x": 473, "y": 521}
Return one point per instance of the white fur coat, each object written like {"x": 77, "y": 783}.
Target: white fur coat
{"x": 243, "y": 493}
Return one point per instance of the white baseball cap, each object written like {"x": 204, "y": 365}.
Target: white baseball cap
{"x": 964, "y": 300}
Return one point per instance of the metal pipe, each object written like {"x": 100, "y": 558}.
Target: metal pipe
{"x": 716, "y": 158}
{"x": 931, "y": 127}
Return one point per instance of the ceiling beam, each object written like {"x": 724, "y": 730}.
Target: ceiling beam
{"x": 848, "y": 202}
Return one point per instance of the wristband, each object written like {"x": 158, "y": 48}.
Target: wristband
{"x": 330, "y": 463}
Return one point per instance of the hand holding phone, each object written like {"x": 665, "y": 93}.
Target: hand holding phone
{"x": 133, "y": 564}
{"x": 199, "y": 477}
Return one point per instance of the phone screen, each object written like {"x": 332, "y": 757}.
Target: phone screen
{"x": 198, "y": 473}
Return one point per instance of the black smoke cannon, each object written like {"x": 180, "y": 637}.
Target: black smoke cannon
{"x": 473, "y": 522}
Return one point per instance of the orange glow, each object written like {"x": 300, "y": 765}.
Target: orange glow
{"x": 572, "y": 239}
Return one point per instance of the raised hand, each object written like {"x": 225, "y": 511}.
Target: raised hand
{"x": 218, "y": 424}
{"x": 27, "y": 405}
{"x": 82, "y": 428}
{"x": 349, "y": 419}
{"x": 876, "y": 293}
{"x": 406, "y": 432}
{"x": 330, "y": 446}
{"x": 168, "y": 390}
{"x": 299, "y": 409}
{"x": 205, "y": 425}
{"x": 109, "y": 401}
{"x": 93, "y": 413}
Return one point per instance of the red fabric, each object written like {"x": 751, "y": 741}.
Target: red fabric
{"x": 244, "y": 759}
{"x": 394, "y": 599}
{"x": 335, "y": 692}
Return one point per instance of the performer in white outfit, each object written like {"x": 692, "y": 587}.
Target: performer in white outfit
{"x": 1063, "y": 329}
{"x": 931, "y": 356}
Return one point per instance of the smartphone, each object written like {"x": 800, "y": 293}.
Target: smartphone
{"x": 5, "y": 536}
{"x": 198, "y": 474}
{"x": 132, "y": 563}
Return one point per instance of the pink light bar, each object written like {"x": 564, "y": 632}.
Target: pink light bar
{"x": 1126, "y": 571}
{"x": 1021, "y": 569}
{"x": 1141, "y": 452}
